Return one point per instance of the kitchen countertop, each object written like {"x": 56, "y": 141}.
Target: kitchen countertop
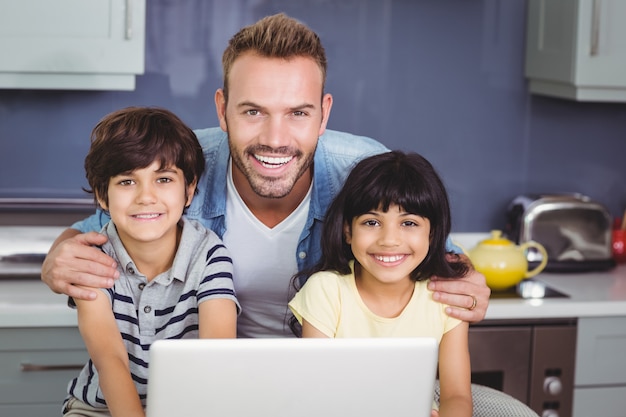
{"x": 590, "y": 294}
{"x": 25, "y": 301}
{"x": 30, "y": 303}
{"x": 22, "y": 248}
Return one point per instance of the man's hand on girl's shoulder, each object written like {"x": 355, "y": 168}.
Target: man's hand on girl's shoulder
{"x": 467, "y": 297}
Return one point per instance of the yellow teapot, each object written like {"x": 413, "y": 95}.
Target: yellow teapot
{"x": 503, "y": 263}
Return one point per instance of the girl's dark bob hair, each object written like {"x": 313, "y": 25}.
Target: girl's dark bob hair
{"x": 407, "y": 180}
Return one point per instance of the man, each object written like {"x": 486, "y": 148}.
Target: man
{"x": 271, "y": 172}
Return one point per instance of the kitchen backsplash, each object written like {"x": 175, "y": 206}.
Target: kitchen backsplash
{"x": 441, "y": 78}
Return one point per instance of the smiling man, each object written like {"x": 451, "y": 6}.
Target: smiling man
{"x": 273, "y": 119}
{"x": 272, "y": 169}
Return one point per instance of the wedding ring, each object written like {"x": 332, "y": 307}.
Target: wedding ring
{"x": 474, "y": 302}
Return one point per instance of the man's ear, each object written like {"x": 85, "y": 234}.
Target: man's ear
{"x": 347, "y": 233}
{"x": 327, "y": 104}
{"x": 220, "y": 108}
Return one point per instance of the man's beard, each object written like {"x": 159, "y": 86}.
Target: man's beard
{"x": 272, "y": 187}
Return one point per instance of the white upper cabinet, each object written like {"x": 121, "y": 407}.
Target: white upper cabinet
{"x": 576, "y": 49}
{"x": 71, "y": 44}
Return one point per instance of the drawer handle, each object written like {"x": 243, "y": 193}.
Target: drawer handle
{"x": 129, "y": 20}
{"x": 31, "y": 367}
{"x": 595, "y": 28}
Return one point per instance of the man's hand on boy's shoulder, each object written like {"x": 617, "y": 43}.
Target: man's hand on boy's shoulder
{"x": 74, "y": 259}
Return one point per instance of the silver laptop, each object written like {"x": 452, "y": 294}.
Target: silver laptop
{"x": 292, "y": 377}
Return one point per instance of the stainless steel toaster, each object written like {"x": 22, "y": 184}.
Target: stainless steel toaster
{"x": 575, "y": 231}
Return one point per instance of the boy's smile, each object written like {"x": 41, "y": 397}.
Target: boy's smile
{"x": 146, "y": 204}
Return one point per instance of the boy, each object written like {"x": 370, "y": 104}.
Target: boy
{"x": 175, "y": 275}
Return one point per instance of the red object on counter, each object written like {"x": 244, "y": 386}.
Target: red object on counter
{"x": 619, "y": 245}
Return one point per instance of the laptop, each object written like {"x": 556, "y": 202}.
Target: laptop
{"x": 292, "y": 377}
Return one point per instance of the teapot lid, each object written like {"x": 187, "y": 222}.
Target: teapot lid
{"x": 497, "y": 239}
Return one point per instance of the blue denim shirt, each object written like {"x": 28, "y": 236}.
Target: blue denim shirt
{"x": 335, "y": 155}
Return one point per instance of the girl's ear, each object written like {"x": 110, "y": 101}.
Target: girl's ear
{"x": 347, "y": 233}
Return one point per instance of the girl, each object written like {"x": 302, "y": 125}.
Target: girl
{"x": 383, "y": 238}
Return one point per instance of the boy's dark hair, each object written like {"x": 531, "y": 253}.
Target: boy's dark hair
{"x": 135, "y": 137}
{"x": 276, "y": 36}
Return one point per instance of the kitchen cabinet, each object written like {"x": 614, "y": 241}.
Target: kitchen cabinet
{"x": 36, "y": 364}
{"x": 576, "y": 49}
{"x": 600, "y": 377}
{"x": 71, "y": 44}
{"x": 531, "y": 360}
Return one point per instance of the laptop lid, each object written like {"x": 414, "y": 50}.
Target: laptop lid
{"x": 292, "y": 377}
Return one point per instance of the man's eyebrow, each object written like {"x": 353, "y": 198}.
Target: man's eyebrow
{"x": 248, "y": 104}
{"x": 252, "y": 104}
{"x": 303, "y": 106}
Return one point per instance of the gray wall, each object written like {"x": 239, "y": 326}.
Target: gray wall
{"x": 440, "y": 77}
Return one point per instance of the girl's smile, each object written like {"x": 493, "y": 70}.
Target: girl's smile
{"x": 388, "y": 259}
{"x": 388, "y": 245}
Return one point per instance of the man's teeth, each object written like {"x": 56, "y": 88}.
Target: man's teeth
{"x": 273, "y": 161}
{"x": 393, "y": 258}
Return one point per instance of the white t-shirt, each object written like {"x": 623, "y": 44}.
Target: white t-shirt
{"x": 264, "y": 263}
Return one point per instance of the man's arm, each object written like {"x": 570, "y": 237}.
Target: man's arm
{"x": 73, "y": 260}
{"x": 461, "y": 293}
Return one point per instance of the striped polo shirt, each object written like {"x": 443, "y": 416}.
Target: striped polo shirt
{"x": 164, "y": 308}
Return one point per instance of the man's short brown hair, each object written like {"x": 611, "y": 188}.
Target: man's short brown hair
{"x": 276, "y": 36}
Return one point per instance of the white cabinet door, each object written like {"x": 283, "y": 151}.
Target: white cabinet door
{"x": 601, "y": 351}
{"x": 71, "y": 44}
{"x": 576, "y": 49}
{"x": 36, "y": 365}
{"x": 600, "y": 378}
{"x": 604, "y": 402}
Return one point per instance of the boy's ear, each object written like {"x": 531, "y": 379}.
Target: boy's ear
{"x": 101, "y": 203}
{"x": 347, "y": 233}
{"x": 190, "y": 192}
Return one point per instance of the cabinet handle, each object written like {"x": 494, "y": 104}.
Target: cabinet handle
{"x": 595, "y": 27}
{"x": 31, "y": 367}
{"x": 129, "y": 20}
